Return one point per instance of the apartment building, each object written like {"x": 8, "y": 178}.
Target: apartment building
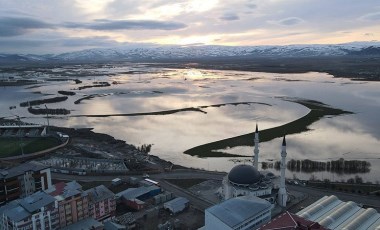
{"x": 102, "y": 203}
{"x": 23, "y": 180}
{"x": 72, "y": 202}
{"x": 37, "y": 211}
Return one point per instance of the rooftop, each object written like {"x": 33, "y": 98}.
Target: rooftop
{"x": 85, "y": 224}
{"x": 100, "y": 193}
{"x": 18, "y": 210}
{"x": 289, "y": 221}
{"x": 35, "y": 201}
{"x": 64, "y": 190}
{"x": 21, "y": 169}
{"x": 132, "y": 193}
{"x": 239, "y": 209}
{"x": 333, "y": 213}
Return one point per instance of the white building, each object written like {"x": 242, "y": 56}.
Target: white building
{"x": 244, "y": 212}
{"x": 332, "y": 213}
{"x": 245, "y": 180}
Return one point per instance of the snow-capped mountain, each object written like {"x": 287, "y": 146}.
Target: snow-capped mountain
{"x": 156, "y": 52}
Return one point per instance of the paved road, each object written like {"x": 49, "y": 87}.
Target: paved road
{"x": 196, "y": 201}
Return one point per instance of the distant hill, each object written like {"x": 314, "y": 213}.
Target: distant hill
{"x": 176, "y": 52}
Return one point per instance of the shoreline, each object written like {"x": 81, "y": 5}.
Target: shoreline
{"x": 318, "y": 110}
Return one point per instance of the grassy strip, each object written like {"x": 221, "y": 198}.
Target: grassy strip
{"x": 11, "y": 146}
{"x": 317, "y": 111}
{"x": 167, "y": 112}
{"x": 185, "y": 183}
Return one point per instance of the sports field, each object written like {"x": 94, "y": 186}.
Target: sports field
{"x": 11, "y": 146}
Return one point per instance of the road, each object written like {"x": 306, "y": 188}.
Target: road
{"x": 313, "y": 194}
{"x": 196, "y": 201}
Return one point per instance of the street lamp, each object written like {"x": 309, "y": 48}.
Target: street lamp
{"x": 47, "y": 118}
{"x": 21, "y": 144}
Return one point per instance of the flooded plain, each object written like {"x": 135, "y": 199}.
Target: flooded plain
{"x": 228, "y": 104}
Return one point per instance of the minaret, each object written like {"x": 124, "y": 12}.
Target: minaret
{"x": 256, "y": 150}
{"x": 282, "y": 196}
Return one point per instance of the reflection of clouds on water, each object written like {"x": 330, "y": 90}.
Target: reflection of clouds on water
{"x": 351, "y": 136}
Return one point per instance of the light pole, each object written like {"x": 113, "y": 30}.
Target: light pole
{"x": 21, "y": 144}
{"x": 47, "y": 118}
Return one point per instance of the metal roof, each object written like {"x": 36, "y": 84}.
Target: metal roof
{"x": 21, "y": 169}
{"x": 18, "y": 210}
{"x": 176, "y": 204}
{"x": 132, "y": 193}
{"x": 237, "y": 210}
{"x": 85, "y": 224}
{"x": 35, "y": 201}
{"x": 333, "y": 213}
{"x": 99, "y": 193}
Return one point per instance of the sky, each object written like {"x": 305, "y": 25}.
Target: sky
{"x": 56, "y": 26}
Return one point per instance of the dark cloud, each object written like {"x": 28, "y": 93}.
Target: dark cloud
{"x": 229, "y": 17}
{"x": 290, "y": 21}
{"x": 104, "y": 24}
{"x": 11, "y": 26}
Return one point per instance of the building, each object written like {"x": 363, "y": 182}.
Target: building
{"x": 332, "y": 213}
{"x": 133, "y": 197}
{"x": 101, "y": 203}
{"x": 72, "y": 202}
{"x": 37, "y": 211}
{"x": 290, "y": 221}
{"x": 23, "y": 180}
{"x": 247, "y": 180}
{"x": 177, "y": 205}
{"x": 244, "y": 212}
{"x": 85, "y": 224}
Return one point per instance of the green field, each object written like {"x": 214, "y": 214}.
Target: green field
{"x": 11, "y": 146}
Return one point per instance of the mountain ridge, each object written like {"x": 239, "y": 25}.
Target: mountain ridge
{"x": 157, "y": 52}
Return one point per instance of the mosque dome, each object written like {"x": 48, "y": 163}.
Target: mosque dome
{"x": 244, "y": 175}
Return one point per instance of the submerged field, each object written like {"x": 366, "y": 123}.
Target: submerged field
{"x": 178, "y": 109}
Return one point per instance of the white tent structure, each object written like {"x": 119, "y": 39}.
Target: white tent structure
{"x": 177, "y": 205}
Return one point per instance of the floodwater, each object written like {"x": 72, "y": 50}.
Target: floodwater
{"x": 140, "y": 89}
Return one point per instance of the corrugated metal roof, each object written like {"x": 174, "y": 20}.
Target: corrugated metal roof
{"x": 132, "y": 193}
{"x": 344, "y": 215}
{"x": 237, "y": 210}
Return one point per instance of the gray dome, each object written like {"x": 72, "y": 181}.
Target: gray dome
{"x": 244, "y": 175}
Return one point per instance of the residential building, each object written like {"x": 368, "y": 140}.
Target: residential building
{"x": 72, "y": 202}
{"x": 85, "y": 224}
{"x": 23, "y": 180}
{"x": 244, "y": 212}
{"x": 37, "y": 211}
{"x": 102, "y": 203}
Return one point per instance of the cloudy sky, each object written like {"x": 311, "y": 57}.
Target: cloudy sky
{"x": 48, "y": 26}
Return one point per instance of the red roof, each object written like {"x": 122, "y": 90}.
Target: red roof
{"x": 290, "y": 221}
{"x": 59, "y": 187}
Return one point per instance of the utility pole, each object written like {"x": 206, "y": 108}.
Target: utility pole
{"x": 21, "y": 144}
{"x": 47, "y": 118}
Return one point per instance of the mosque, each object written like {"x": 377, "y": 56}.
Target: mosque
{"x": 245, "y": 180}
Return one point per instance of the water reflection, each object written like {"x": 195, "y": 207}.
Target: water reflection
{"x": 352, "y": 136}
